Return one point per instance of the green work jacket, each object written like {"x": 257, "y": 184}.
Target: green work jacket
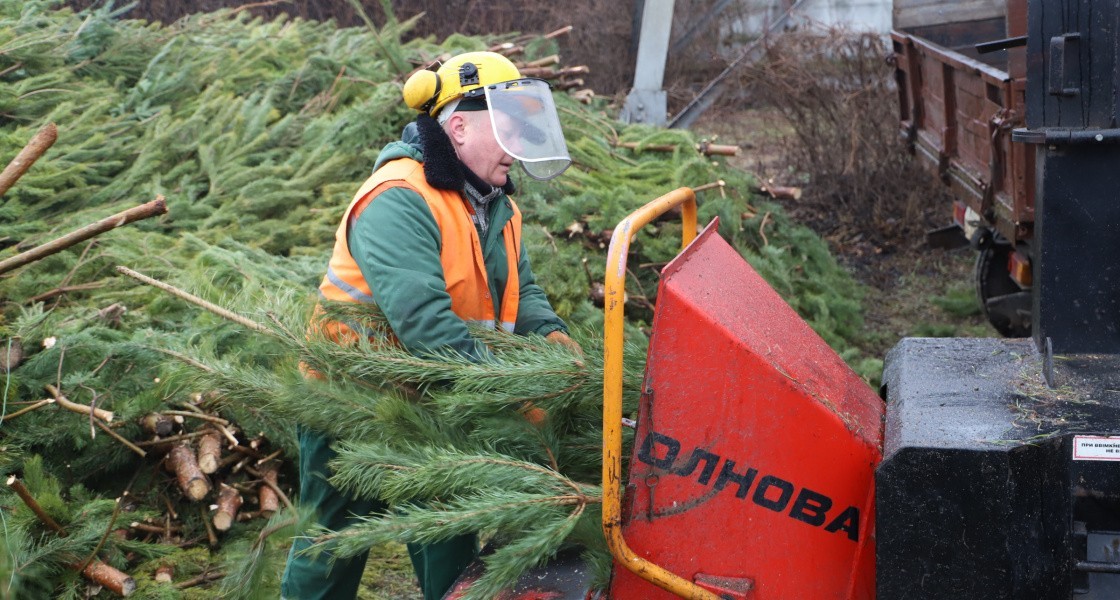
{"x": 396, "y": 243}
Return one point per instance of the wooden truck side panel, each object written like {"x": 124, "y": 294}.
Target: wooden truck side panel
{"x": 958, "y": 107}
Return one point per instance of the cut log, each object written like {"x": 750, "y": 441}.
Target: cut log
{"x": 266, "y": 495}
{"x": 21, "y": 491}
{"x": 210, "y": 452}
{"x": 109, "y": 578}
{"x": 192, "y": 480}
{"x": 157, "y": 424}
{"x": 552, "y": 59}
{"x": 704, "y": 148}
{"x": 780, "y": 192}
{"x": 710, "y": 149}
{"x": 229, "y": 501}
{"x": 165, "y": 574}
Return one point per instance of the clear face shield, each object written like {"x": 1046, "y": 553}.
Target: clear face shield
{"x": 525, "y": 123}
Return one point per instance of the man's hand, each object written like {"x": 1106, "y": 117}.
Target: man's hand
{"x": 559, "y": 337}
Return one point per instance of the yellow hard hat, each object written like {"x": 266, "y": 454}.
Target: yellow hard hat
{"x": 464, "y": 75}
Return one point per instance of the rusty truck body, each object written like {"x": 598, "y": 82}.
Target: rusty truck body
{"x": 961, "y": 72}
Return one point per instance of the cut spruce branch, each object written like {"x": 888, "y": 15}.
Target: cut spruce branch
{"x": 210, "y": 306}
{"x": 65, "y": 289}
{"x": 66, "y": 403}
{"x": 781, "y": 192}
{"x": 39, "y": 143}
{"x": 705, "y": 148}
{"x": 21, "y": 490}
{"x": 547, "y": 72}
{"x": 26, "y": 409}
{"x": 167, "y": 441}
{"x": 116, "y": 436}
{"x": 138, "y": 213}
{"x": 559, "y": 32}
{"x": 163, "y": 530}
{"x": 197, "y": 580}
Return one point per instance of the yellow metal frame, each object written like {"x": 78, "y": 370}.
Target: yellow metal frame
{"x": 613, "y": 308}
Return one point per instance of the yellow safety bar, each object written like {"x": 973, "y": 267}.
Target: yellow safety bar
{"x": 613, "y": 309}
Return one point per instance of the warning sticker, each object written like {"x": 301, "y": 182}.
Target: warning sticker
{"x": 1095, "y": 447}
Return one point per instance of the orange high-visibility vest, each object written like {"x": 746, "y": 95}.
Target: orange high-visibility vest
{"x": 464, "y": 269}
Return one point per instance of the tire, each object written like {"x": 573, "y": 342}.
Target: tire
{"x": 994, "y": 286}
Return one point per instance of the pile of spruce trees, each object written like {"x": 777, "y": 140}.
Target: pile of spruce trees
{"x": 256, "y": 134}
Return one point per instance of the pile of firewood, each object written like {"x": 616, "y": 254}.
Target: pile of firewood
{"x": 207, "y": 460}
{"x": 210, "y": 462}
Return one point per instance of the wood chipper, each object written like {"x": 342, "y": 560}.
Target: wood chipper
{"x": 763, "y": 468}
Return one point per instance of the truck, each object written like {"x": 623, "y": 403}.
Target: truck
{"x": 960, "y": 69}
{"x": 763, "y": 468}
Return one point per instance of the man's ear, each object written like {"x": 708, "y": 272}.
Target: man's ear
{"x": 457, "y": 128}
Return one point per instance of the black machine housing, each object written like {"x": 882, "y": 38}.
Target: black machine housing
{"x": 1001, "y": 462}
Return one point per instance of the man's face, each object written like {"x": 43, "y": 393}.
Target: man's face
{"x": 478, "y": 148}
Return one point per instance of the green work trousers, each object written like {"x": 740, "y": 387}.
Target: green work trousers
{"x": 309, "y": 577}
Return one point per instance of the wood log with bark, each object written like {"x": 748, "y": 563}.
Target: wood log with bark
{"x": 209, "y": 451}
{"x": 164, "y": 574}
{"x": 268, "y": 498}
{"x": 192, "y": 481}
{"x": 108, "y": 577}
{"x": 229, "y": 502}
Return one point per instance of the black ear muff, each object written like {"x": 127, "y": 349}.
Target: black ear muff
{"x": 435, "y": 95}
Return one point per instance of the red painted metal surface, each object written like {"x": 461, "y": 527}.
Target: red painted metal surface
{"x": 754, "y": 461}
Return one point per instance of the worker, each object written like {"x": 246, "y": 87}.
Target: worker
{"x": 434, "y": 240}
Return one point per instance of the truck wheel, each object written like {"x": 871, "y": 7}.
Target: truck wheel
{"x": 1006, "y": 305}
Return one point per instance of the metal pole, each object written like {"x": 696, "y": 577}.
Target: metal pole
{"x": 646, "y": 102}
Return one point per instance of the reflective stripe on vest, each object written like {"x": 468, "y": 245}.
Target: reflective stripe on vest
{"x": 466, "y": 281}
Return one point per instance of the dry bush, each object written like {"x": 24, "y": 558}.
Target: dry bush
{"x": 837, "y": 92}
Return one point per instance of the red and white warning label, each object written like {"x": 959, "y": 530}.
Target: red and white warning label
{"x": 1095, "y": 447}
